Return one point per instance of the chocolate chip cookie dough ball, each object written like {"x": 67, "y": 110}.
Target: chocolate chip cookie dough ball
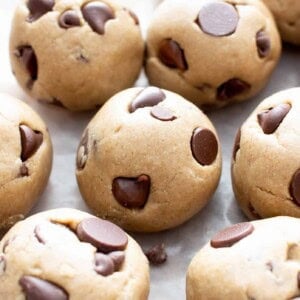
{"x": 26, "y": 159}
{"x": 287, "y": 16}
{"x": 75, "y": 53}
{"x": 212, "y": 52}
{"x": 266, "y": 158}
{"x": 149, "y": 160}
{"x": 258, "y": 260}
{"x": 68, "y": 254}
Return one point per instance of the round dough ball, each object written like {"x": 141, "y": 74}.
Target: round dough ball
{"x": 287, "y": 16}
{"x": 258, "y": 260}
{"x": 212, "y": 52}
{"x": 68, "y": 254}
{"x": 149, "y": 160}
{"x": 75, "y": 53}
{"x": 26, "y": 159}
{"x": 266, "y": 159}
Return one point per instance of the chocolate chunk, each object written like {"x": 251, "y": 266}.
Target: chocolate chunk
{"x": 218, "y": 18}
{"x": 118, "y": 258}
{"x": 69, "y": 19}
{"x": 157, "y": 255}
{"x": 231, "y": 235}
{"x": 38, "y": 8}
{"x": 270, "y": 120}
{"x": 263, "y": 43}
{"x": 231, "y": 89}
{"x": 103, "y": 235}
{"x": 104, "y": 264}
{"x": 132, "y": 192}
{"x": 172, "y": 55}
{"x": 24, "y": 170}
{"x": 2, "y": 264}
{"x": 162, "y": 113}
{"x": 149, "y": 96}
{"x": 28, "y": 58}
{"x": 39, "y": 234}
{"x": 82, "y": 153}
{"x": 133, "y": 16}
{"x": 204, "y": 146}
{"x": 97, "y": 14}
{"x": 30, "y": 140}
{"x": 295, "y": 187}
{"x": 237, "y": 141}
{"x": 37, "y": 289}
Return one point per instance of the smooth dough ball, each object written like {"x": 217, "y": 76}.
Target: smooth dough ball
{"x": 212, "y": 52}
{"x": 75, "y": 53}
{"x": 287, "y": 16}
{"x": 26, "y": 159}
{"x": 149, "y": 160}
{"x": 266, "y": 158}
{"x": 68, "y": 254}
{"x": 258, "y": 260}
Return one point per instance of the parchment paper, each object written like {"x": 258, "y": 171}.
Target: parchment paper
{"x": 168, "y": 280}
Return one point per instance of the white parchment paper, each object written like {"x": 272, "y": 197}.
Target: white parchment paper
{"x": 168, "y": 280}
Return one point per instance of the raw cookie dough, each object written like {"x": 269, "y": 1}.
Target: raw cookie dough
{"x": 258, "y": 260}
{"x": 149, "y": 160}
{"x": 75, "y": 53}
{"x": 212, "y": 52}
{"x": 68, "y": 254}
{"x": 26, "y": 159}
{"x": 287, "y": 16}
{"x": 266, "y": 158}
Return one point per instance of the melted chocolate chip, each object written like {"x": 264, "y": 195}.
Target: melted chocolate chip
{"x": 298, "y": 280}
{"x": 157, "y": 255}
{"x": 82, "y": 153}
{"x": 24, "y": 170}
{"x": 132, "y": 192}
{"x": 69, "y": 19}
{"x": 162, "y": 113}
{"x": 237, "y": 141}
{"x": 104, "y": 264}
{"x": 295, "y": 187}
{"x": 118, "y": 258}
{"x": 28, "y": 58}
{"x": 38, "y": 8}
{"x": 263, "y": 43}
{"x": 231, "y": 89}
{"x": 2, "y": 264}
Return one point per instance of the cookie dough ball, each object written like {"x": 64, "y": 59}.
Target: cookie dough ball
{"x": 149, "y": 160}
{"x": 26, "y": 159}
{"x": 266, "y": 158}
{"x": 68, "y": 254}
{"x": 258, "y": 260}
{"x": 287, "y": 15}
{"x": 75, "y": 53}
{"x": 212, "y": 52}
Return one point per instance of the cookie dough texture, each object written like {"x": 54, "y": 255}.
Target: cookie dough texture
{"x": 287, "y": 16}
{"x": 265, "y": 166}
{"x": 26, "y": 159}
{"x": 261, "y": 262}
{"x": 48, "y": 257}
{"x": 75, "y": 53}
{"x": 212, "y": 52}
{"x": 149, "y": 160}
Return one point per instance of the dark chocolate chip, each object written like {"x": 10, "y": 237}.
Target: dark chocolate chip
{"x": 231, "y": 235}
{"x": 103, "y": 235}
{"x": 69, "y": 19}
{"x": 149, "y": 96}
{"x": 204, "y": 146}
{"x": 97, "y": 14}
{"x": 133, "y": 16}
{"x": 38, "y": 8}
{"x": 37, "y": 289}
{"x": 2, "y": 264}
{"x": 28, "y": 58}
{"x": 30, "y": 140}
{"x": 24, "y": 172}
{"x": 298, "y": 280}
{"x": 157, "y": 255}
{"x": 295, "y": 187}
{"x": 218, "y": 18}
{"x": 270, "y": 120}
{"x": 263, "y": 43}
{"x": 82, "y": 153}
{"x": 172, "y": 55}
{"x": 236, "y": 146}
{"x": 104, "y": 264}
{"x": 132, "y": 192}
{"x": 118, "y": 258}
{"x": 231, "y": 89}
{"x": 39, "y": 234}
{"x": 162, "y": 113}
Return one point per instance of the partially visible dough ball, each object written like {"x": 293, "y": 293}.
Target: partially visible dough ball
{"x": 75, "y": 53}
{"x": 149, "y": 160}
{"x": 212, "y": 52}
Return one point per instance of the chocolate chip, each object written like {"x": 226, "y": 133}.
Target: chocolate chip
{"x": 103, "y": 235}
{"x": 132, "y": 192}
{"x": 253, "y": 212}
{"x": 237, "y": 141}
{"x": 69, "y": 19}
{"x": 231, "y": 89}
{"x": 157, "y": 255}
{"x": 97, "y": 14}
{"x": 162, "y": 113}
{"x": 295, "y": 187}
{"x": 218, "y": 18}
{"x": 204, "y": 146}
{"x": 118, "y": 258}
{"x": 263, "y": 43}
{"x": 28, "y": 58}
{"x": 104, "y": 264}
{"x": 24, "y": 170}
{"x": 149, "y": 96}
{"x": 133, "y": 16}
{"x": 82, "y": 153}
{"x": 270, "y": 120}
{"x": 38, "y": 8}
{"x": 172, "y": 55}
{"x": 231, "y": 235}
{"x": 2, "y": 264}
{"x": 37, "y": 289}
{"x": 39, "y": 234}
{"x": 30, "y": 140}
{"x": 298, "y": 280}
